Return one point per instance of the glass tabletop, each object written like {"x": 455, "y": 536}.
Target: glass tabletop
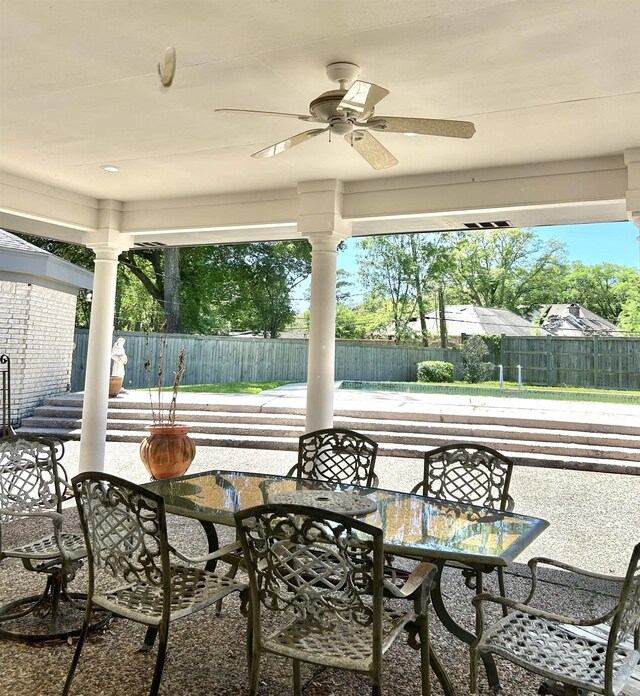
{"x": 412, "y": 525}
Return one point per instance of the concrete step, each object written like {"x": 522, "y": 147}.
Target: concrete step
{"x": 531, "y": 458}
{"x": 67, "y": 417}
{"x": 562, "y": 420}
{"x": 62, "y": 413}
{"x": 425, "y": 434}
{"x": 554, "y": 436}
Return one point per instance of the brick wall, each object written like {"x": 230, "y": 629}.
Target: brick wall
{"x": 38, "y": 337}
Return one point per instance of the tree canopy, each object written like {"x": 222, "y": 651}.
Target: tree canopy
{"x": 250, "y": 287}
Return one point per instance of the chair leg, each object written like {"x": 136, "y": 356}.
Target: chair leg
{"x": 253, "y": 659}
{"x": 81, "y": 639}
{"x": 297, "y": 683}
{"x": 163, "y": 636}
{"x": 501, "y": 585}
{"x": 473, "y": 670}
{"x": 149, "y": 639}
{"x": 425, "y": 652}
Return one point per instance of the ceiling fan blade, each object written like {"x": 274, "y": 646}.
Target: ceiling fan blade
{"x": 300, "y": 117}
{"x": 283, "y": 145}
{"x": 371, "y": 149}
{"x": 422, "y": 126}
{"x": 362, "y": 97}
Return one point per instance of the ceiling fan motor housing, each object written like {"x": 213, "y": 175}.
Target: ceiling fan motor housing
{"x": 325, "y": 107}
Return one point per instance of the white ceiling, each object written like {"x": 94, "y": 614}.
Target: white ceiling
{"x": 543, "y": 81}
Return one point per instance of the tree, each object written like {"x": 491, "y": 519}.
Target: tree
{"x": 265, "y": 274}
{"x": 629, "y": 317}
{"x": 404, "y": 268}
{"x": 604, "y": 288}
{"x": 507, "y": 268}
{"x": 209, "y": 289}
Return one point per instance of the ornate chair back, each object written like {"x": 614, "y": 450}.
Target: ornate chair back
{"x": 29, "y": 476}
{"x": 125, "y": 533}
{"x": 337, "y": 454}
{"x": 467, "y": 473}
{"x": 318, "y": 567}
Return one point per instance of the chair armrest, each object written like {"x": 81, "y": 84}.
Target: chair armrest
{"x": 223, "y": 551}
{"x": 534, "y": 611}
{"x": 51, "y": 514}
{"x": 511, "y": 503}
{"x": 422, "y": 574}
{"x": 375, "y": 481}
{"x": 293, "y": 471}
{"x": 540, "y": 560}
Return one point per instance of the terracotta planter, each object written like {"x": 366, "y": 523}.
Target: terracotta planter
{"x": 115, "y": 385}
{"x": 168, "y": 451}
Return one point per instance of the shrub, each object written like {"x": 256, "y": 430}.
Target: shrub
{"x": 474, "y": 366}
{"x": 435, "y": 371}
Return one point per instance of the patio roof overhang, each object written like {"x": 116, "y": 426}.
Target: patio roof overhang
{"x": 553, "y": 89}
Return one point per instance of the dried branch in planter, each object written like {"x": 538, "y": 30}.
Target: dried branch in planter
{"x": 159, "y": 414}
{"x": 177, "y": 378}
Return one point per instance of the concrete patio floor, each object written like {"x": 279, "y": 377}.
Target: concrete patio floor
{"x": 594, "y": 524}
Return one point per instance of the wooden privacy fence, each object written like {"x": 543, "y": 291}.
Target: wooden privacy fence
{"x": 218, "y": 359}
{"x": 610, "y": 363}
{"x": 590, "y": 361}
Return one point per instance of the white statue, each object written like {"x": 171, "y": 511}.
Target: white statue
{"x": 119, "y": 358}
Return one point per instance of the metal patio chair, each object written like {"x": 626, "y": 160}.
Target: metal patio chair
{"x": 319, "y": 577}
{"x": 469, "y": 473}
{"x": 600, "y": 655}
{"x": 465, "y": 472}
{"x": 337, "y": 454}
{"x": 33, "y": 486}
{"x": 125, "y": 532}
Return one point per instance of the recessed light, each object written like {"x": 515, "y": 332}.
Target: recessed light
{"x": 110, "y": 168}
{"x": 411, "y": 134}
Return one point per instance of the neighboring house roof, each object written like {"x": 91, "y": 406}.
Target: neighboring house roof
{"x": 22, "y": 262}
{"x": 471, "y": 319}
{"x": 575, "y": 320}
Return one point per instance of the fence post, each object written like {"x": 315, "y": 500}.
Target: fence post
{"x": 596, "y": 362}
{"x": 548, "y": 349}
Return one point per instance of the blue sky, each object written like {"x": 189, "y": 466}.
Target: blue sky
{"x": 614, "y": 242}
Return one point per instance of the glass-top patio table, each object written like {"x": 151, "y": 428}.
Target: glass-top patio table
{"x": 412, "y": 525}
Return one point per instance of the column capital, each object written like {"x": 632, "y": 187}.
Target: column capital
{"x": 320, "y": 209}
{"x": 326, "y": 241}
{"x": 106, "y": 242}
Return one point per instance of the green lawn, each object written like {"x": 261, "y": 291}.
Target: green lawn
{"x": 230, "y": 387}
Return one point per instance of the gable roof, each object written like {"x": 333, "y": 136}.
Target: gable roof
{"x": 23, "y": 262}
{"x": 575, "y": 320}
{"x": 474, "y": 320}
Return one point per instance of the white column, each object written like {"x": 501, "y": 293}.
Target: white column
{"x": 107, "y": 243}
{"x": 322, "y": 328}
{"x": 320, "y": 220}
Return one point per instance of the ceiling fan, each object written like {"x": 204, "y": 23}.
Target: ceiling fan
{"x": 351, "y": 113}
